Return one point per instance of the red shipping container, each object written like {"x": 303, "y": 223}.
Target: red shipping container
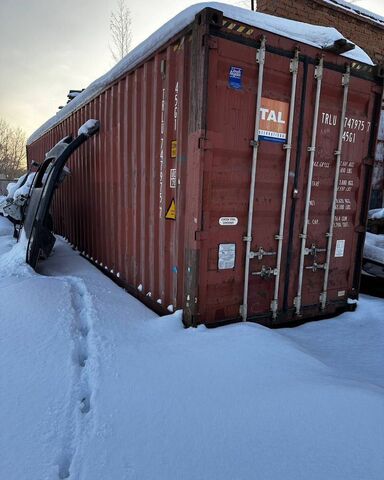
{"x": 231, "y": 174}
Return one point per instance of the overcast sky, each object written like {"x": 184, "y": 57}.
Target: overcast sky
{"x": 50, "y": 46}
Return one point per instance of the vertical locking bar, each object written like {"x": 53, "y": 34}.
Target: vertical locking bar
{"x": 260, "y": 59}
{"x": 312, "y": 150}
{"x": 294, "y": 68}
{"x": 345, "y": 83}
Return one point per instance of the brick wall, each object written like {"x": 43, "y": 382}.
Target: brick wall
{"x": 366, "y": 33}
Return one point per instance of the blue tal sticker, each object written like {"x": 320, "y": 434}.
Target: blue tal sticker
{"x": 236, "y": 78}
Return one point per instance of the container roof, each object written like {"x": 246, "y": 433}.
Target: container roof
{"x": 313, "y": 35}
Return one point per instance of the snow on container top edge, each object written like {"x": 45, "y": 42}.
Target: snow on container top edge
{"x": 314, "y": 35}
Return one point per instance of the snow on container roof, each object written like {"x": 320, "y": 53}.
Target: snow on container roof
{"x": 313, "y": 35}
{"x": 357, "y": 10}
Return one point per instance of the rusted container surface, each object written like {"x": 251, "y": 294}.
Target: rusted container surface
{"x": 123, "y": 181}
{"x": 160, "y": 199}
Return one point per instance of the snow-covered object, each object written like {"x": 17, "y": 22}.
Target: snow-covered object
{"x": 313, "y": 35}
{"x": 376, "y": 214}
{"x": 72, "y": 95}
{"x": 57, "y": 149}
{"x": 357, "y": 10}
{"x": 374, "y": 247}
{"x": 24, "y": 190}
{"x": 13, "y": 186}
{"x": 88, "y": 127}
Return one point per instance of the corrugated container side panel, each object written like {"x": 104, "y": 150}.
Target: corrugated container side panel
{"x": 105, "y": 181}
{"x": 103, "y": 185}
{"x": 144, "y": 169}
{"x": 107, "y": 186}
{"x": 171, "y": 167}
{"x": 73, "y": 187}
{"x": 133, "y": 183}
{"x": 72, "y": 190}
{"x": 123, "y": 182}
{"x": 89, "y": 241}
{"x": 169, "y": 224}
{"x": 120, "y": 177}
{"x": 72, "y": 218}
{"x": 183, "y": 53}
{"x": 140, "y": 177}
{"x": 115, "y": 169}
{"x": 66, "y": 185}
{"x": 165, "y": 74}
{"x": 154, "y": 193}
{"x": 129, "y": 228}
{"x": 147, "y": 186}
{"x": 90, "y": 155}
{"x": 151, "y": 173}
{"x": 112, "y": 159}
{"x": 90, "y": 244}
{"x": 81, "y": 172}
{"x": 82, "y": 159}
{"x": 97, "y": 165}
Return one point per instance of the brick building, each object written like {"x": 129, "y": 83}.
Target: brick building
{"x": 362, "y": 27}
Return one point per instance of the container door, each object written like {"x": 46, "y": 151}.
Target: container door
{"x": 282, "y": 194}
{"x": 232, "y": 97}
{"x": 332, "y": 191}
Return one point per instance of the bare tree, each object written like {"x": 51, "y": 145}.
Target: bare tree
{"x": 12, "y": 150}
{"x": 121, "y": 30}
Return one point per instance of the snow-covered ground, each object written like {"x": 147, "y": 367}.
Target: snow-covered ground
{"x": 96, "y": 386}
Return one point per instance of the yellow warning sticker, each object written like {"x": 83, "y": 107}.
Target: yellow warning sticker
{"x": 174, "y": 149}
{"x": 171, "y": 212}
